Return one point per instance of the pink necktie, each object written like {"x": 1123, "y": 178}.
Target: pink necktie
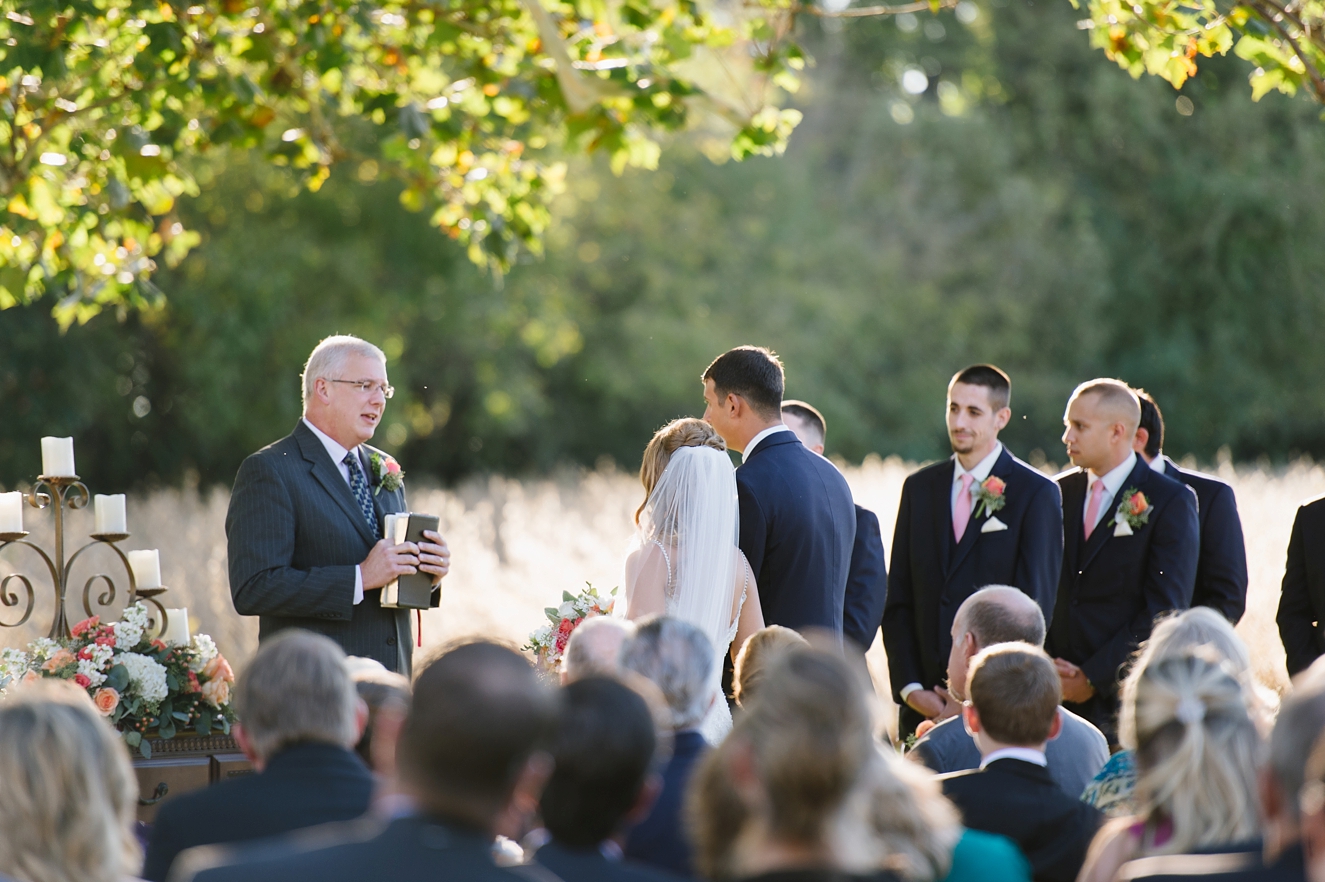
{"x": 961, "y": 509}
{"x": 1093, "y": 510}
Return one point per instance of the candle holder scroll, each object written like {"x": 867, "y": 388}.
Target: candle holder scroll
{"x": 59, "y": 493}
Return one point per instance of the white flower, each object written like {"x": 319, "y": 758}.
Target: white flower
{"x": 14, "y": 663}
{"x": 146, "y": 677}
{"x": 204, "y": 650}
{"x": 131, "y": 626}
{"x": 42, "y": 648}
{"x": 90, "y": 669}
{"x": 568, "y": 611}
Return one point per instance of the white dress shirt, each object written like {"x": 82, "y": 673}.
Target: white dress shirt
{"x": 1113, "y": 482}
{"x": 979, "y": 473}
{"x": 754, "y": 442}
{"x": 1025, "y": 754}
{"x": 337, "y": 454}
{"x": 1158, "y": 463}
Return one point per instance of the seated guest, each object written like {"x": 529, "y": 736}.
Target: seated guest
{"x": 1196, "y": 752}
{"x": 68, "y": 796}
{"x": 299, "y": 719}
{"x": 677, "y": 658}
{"x": 602, "y": 758}
{"x": 594, "y": 648}
{"x": 386, "y": 695}
{"x": 762, "y": 647}
{"x": 1012, "y": 713}
{"x": 801, "y": 791}
{"x": 471, "y": 754}
{"x": 999, "y": 614}
{"x": 1112, "y": 790}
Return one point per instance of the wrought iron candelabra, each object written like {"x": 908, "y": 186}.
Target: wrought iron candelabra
{"x": 59, "y": 493}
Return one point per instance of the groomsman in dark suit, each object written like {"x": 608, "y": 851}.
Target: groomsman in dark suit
{"x": 306, "y": 516}
{"x": 798, "y": 523}
{"x": 981, "y": 518}
{"x": 1301, "y": 614}
{"x": 1221, "y": 572}
{"x": 1132, "y": 541}
{"x": 867, "y": 582}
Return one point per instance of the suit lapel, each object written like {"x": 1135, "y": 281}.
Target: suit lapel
{"x": 942, "y": 504}
{"x": 1104, "y": 532}
{"x": 328, "y": 475}
{"x": 1002, "y": 469}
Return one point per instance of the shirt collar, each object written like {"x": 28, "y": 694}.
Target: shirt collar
{"x": 1158, "y": 464}
{"x": 1025, "y": 754}
{"x": 334, "y": 450}
{"x": 982, "y": 468}
{"x": 1113, "y": 480}
{"x": 754, "y": 442}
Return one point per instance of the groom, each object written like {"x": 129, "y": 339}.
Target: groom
{"x": 798, "y": 522}
{"x": 306, "y": 514}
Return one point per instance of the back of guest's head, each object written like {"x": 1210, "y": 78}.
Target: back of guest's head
{"x": 1176, "y": 634}
{"x": 1301, "y": 720}
{"x": 1001, "y": 614}
{"x": 678, "y": 658}
{"x": 1152, "y": 420}
{"x": 478, "y": 715}
{"x": 1015, "y": 689}
{"x": 67, "y": 791}
{"x": 750, "y": 372}
{"x": 761, "y": 650}
{"x": 1114, "y": 398}
{"x": 383, "y": 692}
{"x": 685, "y": 432}
{"x": 296, "y": 690}
{"x": 810, "y": 418}
{"x": 994, "y": 380}
{"x": 602, "y": 755}
{"x": 594, "y": 648}
{"x": 1196, "y": 753}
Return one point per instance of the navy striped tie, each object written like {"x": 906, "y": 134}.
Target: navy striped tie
{"x": 359, "y": 487}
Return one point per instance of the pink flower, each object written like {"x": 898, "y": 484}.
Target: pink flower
{"x": 216, "y": 692}
{"x": 106, "y": 700}
{"x": 392, "y": 467}
{"x": 84, "y": 626}
{"x": 158, "y": 644}
{"x": 994, "y": 486}
{"x": 1138, "y": 503}
{"x": 85, "y": 653}
{"x": 82, "y": 680}
{"x": 218, "y": 669}
{"x": 106, "y": 640}
{"x": 60, "y": 659}
{"x": 194, "y": 685}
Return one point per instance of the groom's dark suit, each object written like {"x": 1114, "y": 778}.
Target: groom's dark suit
{"x": 295, "y": 536}
{"x": 1221, "y": 573}
{"x": 1113, "y": 587}
{"x": 798, "y": 524}
{"x": 932, "y": 574}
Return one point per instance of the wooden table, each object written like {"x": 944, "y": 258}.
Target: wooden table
{"x": 184, "y": 763}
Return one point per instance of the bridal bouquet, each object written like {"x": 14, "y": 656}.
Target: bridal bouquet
{"x": 142, "y": 684}
{"x": 548, "y": 643}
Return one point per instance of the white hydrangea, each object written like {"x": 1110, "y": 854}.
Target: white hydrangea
{"x": 91, "y": 670}
{"x": 146, "y": 677}
{"x": 204, "y": 650}
{"x": 129, "y": 629}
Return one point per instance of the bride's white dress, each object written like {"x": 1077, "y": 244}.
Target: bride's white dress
{"x": 691, "y": 517}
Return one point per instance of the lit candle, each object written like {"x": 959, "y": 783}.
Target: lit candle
{"x": 146, "y": 566}
{"x": 109, "y": 514}
{"x": 57, "y": 458}
{"x": 177, "y": 627}
{"x": 11, "y": 512}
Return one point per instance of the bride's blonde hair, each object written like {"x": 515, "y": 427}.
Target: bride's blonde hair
{"x": 685, "y": 432}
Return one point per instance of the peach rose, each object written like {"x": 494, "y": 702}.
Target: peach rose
{"x": 106, "y": 700}
{"x": 219, "y": 669}
{"x": 216, "y": 692}
{"x": 61, "y": 658}
{"x": 994, "y": 485}
{"x": 30, "y": 677}
{"x": 1138, "y": 503}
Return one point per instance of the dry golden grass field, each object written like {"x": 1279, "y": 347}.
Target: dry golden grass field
{"x": 518, "y": 544}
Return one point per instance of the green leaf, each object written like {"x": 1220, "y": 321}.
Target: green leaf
{"x": 133, "y": 737}
{"x": 118, "y": 678}
{"x": 204, "y": 724}
{"x": 145, "y": 749}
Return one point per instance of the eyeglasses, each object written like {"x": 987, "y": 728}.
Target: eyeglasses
{"x": 367, "y": 387}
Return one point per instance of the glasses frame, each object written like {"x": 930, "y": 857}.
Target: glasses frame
{"x": 367, "y": 386}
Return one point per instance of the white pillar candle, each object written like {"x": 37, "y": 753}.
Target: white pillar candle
{"x": 11, "y": 512}
{"x": 109, "y": 514}
{"x": 146, "y": 566}
{"x": 177, "y": 627}
{"x": 57, "y": 458}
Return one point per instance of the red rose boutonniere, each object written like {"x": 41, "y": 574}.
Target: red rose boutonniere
{"x": 1133, "y": 513}
{"x": 390, "y": 476}
{"x": 989, "y": 496}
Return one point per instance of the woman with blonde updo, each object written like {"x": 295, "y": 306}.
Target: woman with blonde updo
{"x": 1196, "y": 748}
{"x": 67, "y": 791}
{"x": 684, "y": 561}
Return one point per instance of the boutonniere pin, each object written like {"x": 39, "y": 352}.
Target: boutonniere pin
{"x": 989, "y": 496}
{"x": 390, "y": 476}
{"x": 1133, "y": 512}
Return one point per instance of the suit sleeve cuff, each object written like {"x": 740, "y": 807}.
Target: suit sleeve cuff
{"x": 358, "y": 585}
{"x": 908, "y": 689}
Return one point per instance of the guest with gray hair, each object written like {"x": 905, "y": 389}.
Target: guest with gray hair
{"x": 594, "y": 649}
{"x": 678, "y": 658}
{"x": 299, "y": 719}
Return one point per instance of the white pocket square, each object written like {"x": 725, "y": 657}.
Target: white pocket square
{"x": 993, "y": 525}
{"x": 1122, "y": 528}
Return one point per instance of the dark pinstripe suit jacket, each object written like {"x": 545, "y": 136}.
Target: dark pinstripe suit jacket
{"x": 295, "y": 536}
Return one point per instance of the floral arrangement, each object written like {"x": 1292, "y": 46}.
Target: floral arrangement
{"x": 390, "y": 476}
{"x": 1133, "y": 512}
{"x": 989, "y": 496}
{"x": 549, "y": 642}
{"x": 140, "y": 683}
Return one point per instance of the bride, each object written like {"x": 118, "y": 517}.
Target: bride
{"x": 684, "y": 561}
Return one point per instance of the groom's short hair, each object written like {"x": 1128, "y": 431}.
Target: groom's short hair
{"x": 808, "y": 414}
{"x": 1152, "y": 420}
{"x": 994, "y": 379}
{"x": 752, "y": 372}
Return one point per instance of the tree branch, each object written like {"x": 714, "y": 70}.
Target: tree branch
{"x": 867, "y": 11}
{"x": 1317, "y": 83}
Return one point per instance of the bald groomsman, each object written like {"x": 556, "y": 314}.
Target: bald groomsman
{"x": 1131, "y": 544}
{"x": 1221, "y": 571}
{"x": 981, "y": 518}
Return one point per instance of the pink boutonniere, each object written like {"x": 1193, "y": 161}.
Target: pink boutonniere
{"x": 989, "y": 496}
{"x": 390, "y": 476}
{"x": 1133, "y": 512}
